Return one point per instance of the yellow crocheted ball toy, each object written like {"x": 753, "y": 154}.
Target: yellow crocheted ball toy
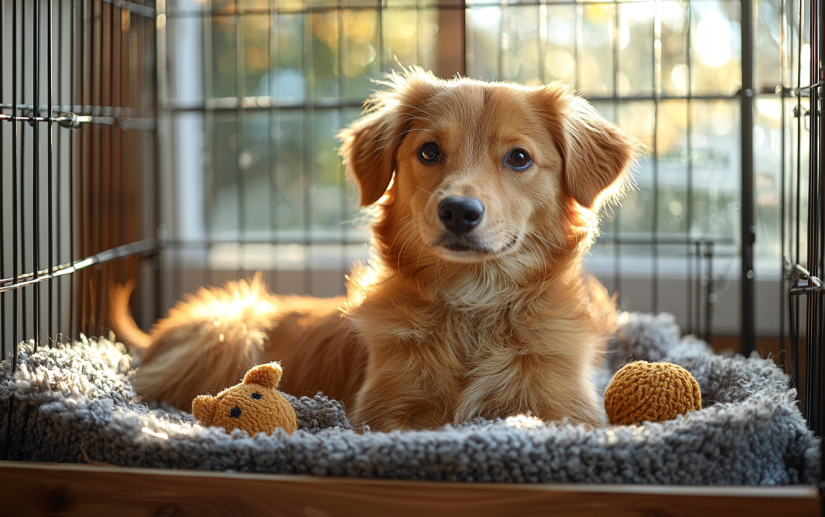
{"x": 650, "y": 392}
{"x": 254, "y": 405}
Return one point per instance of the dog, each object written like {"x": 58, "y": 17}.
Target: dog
{"x": 485, "y": 197}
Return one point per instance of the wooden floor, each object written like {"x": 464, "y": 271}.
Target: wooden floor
{"x": 33, "y": 489}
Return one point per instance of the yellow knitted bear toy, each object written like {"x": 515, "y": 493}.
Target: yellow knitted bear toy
{"x": 254, "y": 405}
{"x": 650, "y": 392}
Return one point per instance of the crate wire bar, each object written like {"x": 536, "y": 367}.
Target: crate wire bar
{"x": 804, "y": 273}
{"x": 76, "y": 149}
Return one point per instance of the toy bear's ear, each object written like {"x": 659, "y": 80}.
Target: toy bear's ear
{"x": 203, "y": 407}
{"x": 266, "y": 375}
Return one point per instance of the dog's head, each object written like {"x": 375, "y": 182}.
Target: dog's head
{"x": 468, "y": 171}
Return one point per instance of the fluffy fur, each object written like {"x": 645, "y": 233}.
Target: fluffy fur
{"x": 428, "y": 335}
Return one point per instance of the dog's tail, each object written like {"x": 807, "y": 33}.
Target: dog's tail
{"x": 121, "y": 318}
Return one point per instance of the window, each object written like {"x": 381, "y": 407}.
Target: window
{"x": 257, "y": 89}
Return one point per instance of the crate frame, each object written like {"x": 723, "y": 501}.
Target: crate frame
{"x": 86, "y": 140}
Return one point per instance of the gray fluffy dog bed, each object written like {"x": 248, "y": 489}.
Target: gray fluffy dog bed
{"x": 76, "y": 404}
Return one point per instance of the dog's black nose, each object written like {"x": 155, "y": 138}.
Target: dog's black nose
{"x": 460, "y": 214}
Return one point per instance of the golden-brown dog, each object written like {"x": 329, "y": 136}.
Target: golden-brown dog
{"x": 475, "y": 304}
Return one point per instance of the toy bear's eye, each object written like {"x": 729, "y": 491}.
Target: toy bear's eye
{"x": 256, "y": 396}
{"x": 236, "y": 412}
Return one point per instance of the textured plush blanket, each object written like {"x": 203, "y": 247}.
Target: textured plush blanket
{"x": 76, "y": 403}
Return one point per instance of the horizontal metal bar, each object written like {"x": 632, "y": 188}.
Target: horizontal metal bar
{"x": 809, "y": 87}
{"x": 271, "y": 103}
{"x": 145, "y": 248}
{"x": 441, "y": 6}
{"x": 273, "y": 242}
{"x": 664, "y": 240}
{"x": 784, "y": 91}
{"x": 65, "y": 121}
{"x": 79, "y": 109}
{"x": 175, "y": 13}
{"x": 632, "y": 98}
{"x": 350, "y": 242}
{"x": 806, "y": 289}
{"x": 141, "y": 10}
{"x": 259, "y": 103}
{"x": 65, "y": 116}
{"x": 75, "y": 121}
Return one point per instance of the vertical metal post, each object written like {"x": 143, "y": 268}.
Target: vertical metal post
{"x": 343, "y": 95}
{"x": 617, "y": 220}
{"x": 75, "y": 9}
{"x": 710, "y": 297}
{"x": 308, "y": 175}
{"x": 813, "y": 174}
{"x": 50, "y": 214}
{"x": 159, "y": 81}
{"x": 697, "y": 288}
{"x": 208, "y": 136}
{"x": 451, "y": 40}
{"x": 240, "y": 140}
{"x": 793, "y": 302}
{"x": 783, "y": 92}
{"x": 36, "y": 170}
{"x": 22, "y": 184}
{"x": 3, "y": 237}
{"x": 748, "y": 230}
{"x": 97, "y": 173}
{"x": 816, "y": 220}
{"x": 15, "y": 323}
{"x": 657, "y": 90}
{"x": 689, "y": 144}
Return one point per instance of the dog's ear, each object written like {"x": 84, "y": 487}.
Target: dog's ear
{"x": 596, "y": 153}
{"x": 370, "y": 143}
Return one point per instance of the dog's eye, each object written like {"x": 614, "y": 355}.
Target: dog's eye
{"x": 518, "y": 159}
{"x": 429, "y": 152}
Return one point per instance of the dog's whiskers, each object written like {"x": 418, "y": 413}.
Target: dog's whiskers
{"x": 531, "y": 257}
{"x": 406, "y": 230}
{"x": 538, "y": 256}
{"x": 416, "y": 108}
{"x": 545, "y": 241}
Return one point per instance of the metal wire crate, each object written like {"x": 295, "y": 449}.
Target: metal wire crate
{"x": 803, "y": 264}
{"x": 188, "y": 142}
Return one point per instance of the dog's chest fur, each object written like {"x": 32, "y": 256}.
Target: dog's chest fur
{"x": 476, "y": 360}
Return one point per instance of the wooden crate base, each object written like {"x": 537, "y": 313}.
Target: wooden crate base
{"x": 29, "y": 489}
